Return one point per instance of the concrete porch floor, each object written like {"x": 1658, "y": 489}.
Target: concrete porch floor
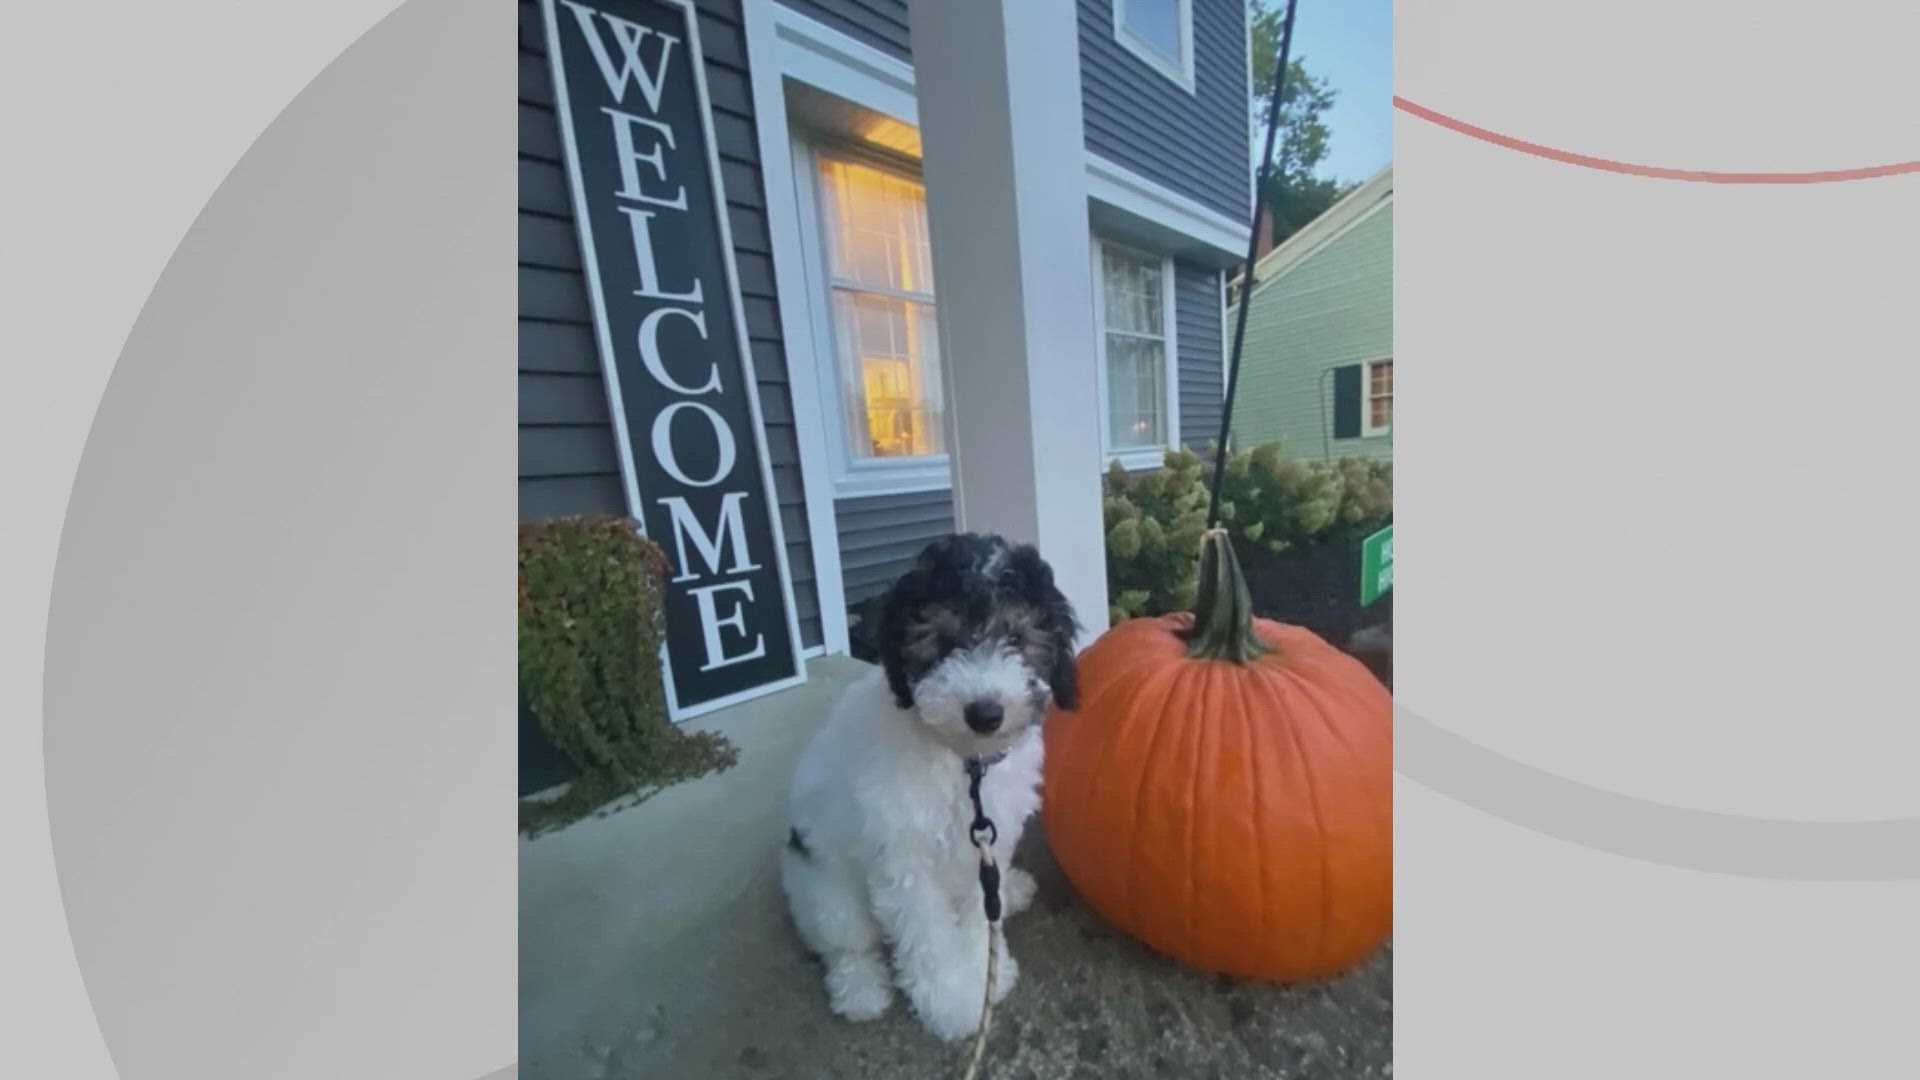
{"x": 654, "y": 943}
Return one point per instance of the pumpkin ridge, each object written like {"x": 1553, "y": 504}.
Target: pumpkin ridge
{"x": 1255, "y": 754}
{"x": 1171, "y": 680}
{"x": 1318, "y": 695}
{"x": 1195, "y": 866}
{"x": 1319, "y": 823}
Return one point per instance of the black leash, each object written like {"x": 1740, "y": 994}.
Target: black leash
{"x": 984, "y": 835}
{"x": 1246, "y": 274}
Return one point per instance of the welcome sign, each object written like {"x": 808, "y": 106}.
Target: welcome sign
{"x": 632, "y": 101}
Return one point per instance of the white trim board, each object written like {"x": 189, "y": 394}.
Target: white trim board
{"x": 1136, "y": 196}
{"x": 766, "y": 53}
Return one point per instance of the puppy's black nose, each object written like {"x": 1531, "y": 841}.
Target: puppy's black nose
{"x": 984, "y": 716}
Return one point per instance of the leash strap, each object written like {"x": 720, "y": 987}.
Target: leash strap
{"x": 984, "y": 834}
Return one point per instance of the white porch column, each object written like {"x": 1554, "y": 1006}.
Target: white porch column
{"x": 998, "y": 89}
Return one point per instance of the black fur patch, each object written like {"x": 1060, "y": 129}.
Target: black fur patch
{"x": 969, "y": 587}
{"x": 798, "y": 844}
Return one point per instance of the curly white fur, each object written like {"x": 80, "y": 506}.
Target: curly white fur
{"x": 880, "y": 807}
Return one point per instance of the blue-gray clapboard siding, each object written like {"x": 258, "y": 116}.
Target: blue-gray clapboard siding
{"x": 1194, "y": 143}
{"x": 1197, "y": 337}
{"x": 880, "y": 535}
{"x": 569, "y": 463}
{"x": 879, "y": 23}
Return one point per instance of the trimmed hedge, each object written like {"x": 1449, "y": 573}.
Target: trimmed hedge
{"x": 591, "y": 628}
{"x": 1268, "y": 502}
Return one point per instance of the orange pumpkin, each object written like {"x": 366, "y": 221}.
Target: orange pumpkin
{"x": 1224, "y": 791}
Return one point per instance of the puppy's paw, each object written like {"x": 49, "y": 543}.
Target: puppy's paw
{"x": 858, "y": 987}
{"x": 1006, "y": 974}
{"x": 1017, "y": 888}
{"x": 949, "y": 1015}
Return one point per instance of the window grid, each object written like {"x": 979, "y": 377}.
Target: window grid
{"x": 1379, "y": 396}
{"x": 1134, "y": 295}
{"x": 880, "y": 271}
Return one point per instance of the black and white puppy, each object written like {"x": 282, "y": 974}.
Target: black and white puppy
{"x": 975, "y": 642}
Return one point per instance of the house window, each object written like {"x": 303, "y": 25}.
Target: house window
{"x": 880, "y": 285}
{"x": 1159, "y": 32}
{"x": 1379, "y": 409}
{"x": 1135, "y": 316}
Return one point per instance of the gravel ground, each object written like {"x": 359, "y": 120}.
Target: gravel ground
{"x": 741, "y": 998}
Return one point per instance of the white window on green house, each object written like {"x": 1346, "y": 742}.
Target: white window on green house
{"x": 1379, "y": 408}
{"x": 880, "y": 284}
{"x": 1159, "y": 32}
{"x": 1134, "y": 309}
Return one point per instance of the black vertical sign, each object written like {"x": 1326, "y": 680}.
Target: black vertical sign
{"x": 632, "y": 103}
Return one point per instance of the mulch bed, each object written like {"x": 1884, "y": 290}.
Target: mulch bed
{"x": 1319, "y": 588}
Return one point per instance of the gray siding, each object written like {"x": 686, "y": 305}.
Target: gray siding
{"x": 1197, "y": 144}
{"x": 880, "y": 535}
{"x": 1197, "y": 330}
{"x": 879, "y": 23}
{"x": 568, "y": 460}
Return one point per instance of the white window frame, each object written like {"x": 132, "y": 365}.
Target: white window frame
{"x": 1135, "y": 457}
{"x": 853, "y": 477}
{"x": 1178, "y": 69}
{"x": 1367, "y": 427}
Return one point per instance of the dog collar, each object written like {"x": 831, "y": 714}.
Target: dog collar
{"x": 981, "y": 764}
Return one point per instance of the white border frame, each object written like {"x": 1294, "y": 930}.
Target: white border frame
{"x": 1141, "y": 457}
{"x": 1178, "y": 70}
{"x": 603, "y": 335}
{"x": 852, "y": 477}
{"x": 1367, "y": 429}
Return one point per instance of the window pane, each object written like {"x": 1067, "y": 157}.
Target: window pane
{"x": 1382, "y": 412}
{"x": 1157, "y": 21}
{"x": 876, "y": 227}
{"x": 1381, "y": 377}
{"x": 1133, "y": 291}
{"x": 889, "y": 375}
{"x": 1136, "y": 392}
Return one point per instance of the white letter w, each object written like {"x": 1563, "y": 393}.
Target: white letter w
{"x": 629, "y": 36}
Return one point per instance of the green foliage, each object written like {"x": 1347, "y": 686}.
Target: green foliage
{"x": 591, "y": 627}
{"x": 1154, "y": 520}
{"x": 1295, "y": 196}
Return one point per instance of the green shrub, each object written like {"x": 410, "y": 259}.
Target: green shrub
{"x": 1154, "y": 519}
{"x": 591, "y": 628}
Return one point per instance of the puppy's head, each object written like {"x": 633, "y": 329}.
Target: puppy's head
{"x": 976, "y": 640}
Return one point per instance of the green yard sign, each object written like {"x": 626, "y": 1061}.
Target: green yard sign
{"x": 1376, "y": 565}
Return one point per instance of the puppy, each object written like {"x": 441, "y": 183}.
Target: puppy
{"x": 975, "y": 641}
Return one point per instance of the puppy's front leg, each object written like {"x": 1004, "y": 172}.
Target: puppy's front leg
{"x": 939, "y": 948}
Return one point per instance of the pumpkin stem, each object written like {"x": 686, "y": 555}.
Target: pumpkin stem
{"x": 1223, "y": 613}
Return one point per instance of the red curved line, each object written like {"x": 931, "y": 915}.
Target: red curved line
{"x": 1658, "y": 173}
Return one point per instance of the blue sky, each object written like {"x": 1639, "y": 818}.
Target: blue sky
{"x": 1349, "y": 43}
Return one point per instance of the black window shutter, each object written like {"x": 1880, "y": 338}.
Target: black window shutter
{"x": 1346, "y": 401}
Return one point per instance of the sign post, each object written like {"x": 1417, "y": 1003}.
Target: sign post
{"x": 631, "y": 98}
{"x": 1376, "y": 565}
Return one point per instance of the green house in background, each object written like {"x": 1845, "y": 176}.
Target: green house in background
{"x": 1317, "y": 370}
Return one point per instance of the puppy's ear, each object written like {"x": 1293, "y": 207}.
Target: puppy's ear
{"x": 1065, "y": 679}
{"x": 1035, "y": 583}
{"x": 890, "y": 641}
